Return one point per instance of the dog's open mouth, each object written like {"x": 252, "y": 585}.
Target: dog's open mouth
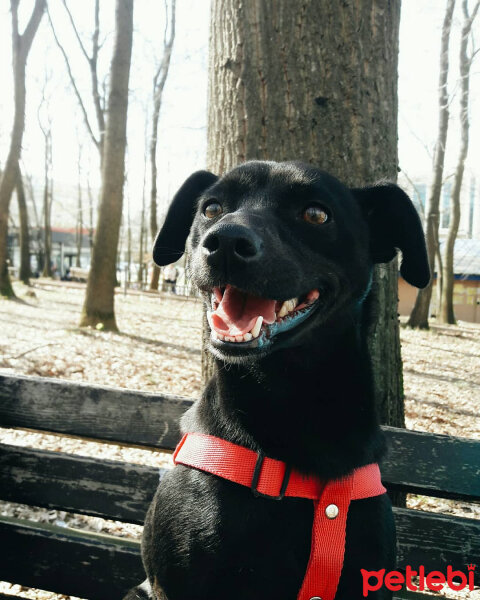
{"x": 242, "y": 318}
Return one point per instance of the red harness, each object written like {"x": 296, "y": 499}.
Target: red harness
{"x": 272, "y": 478}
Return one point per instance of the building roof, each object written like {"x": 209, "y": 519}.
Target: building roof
{"x": 466, "y": 256}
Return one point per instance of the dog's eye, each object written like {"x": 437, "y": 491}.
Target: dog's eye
{"x": 315, "y": 215}
{"x": 212, "y": 210}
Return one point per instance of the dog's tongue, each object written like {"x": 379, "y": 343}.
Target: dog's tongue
{"x": 238, "y": 311}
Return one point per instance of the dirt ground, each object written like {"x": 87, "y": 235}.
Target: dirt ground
{"x": 159, "y": 348}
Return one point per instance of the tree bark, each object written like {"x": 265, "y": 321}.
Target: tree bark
{"x": 21, "y": 44}
{"x": 447, "y": 314}
{"x": 159, "y": 81}
{"x": 315, "y": 81}
{"x": 420, "y": 312}
{"x": 25, "y": 270}
{"x": 98, "y": 308}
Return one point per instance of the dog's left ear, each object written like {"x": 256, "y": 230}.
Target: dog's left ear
{"x": 169, "y": 244}
{"x": 394, "y": 223}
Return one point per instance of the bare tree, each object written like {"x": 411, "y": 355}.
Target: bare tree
{"x": 420, "y": 312}
{"x": 25, "y": 270}
{"x": 21, "y": 44}
{"x": 446, "y": 313}
{"x": 143, "y": 229}
{"x": 98, "y": 307}
{"x": 44, "y": 118}
{"x": 159, "y": 81}
{"x": 38, "y": 228}
{"x": 90, "y": 215}
{"x": 79, "y": 223}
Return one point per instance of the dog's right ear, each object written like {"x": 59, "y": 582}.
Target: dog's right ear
{"x": 169, "y": 244}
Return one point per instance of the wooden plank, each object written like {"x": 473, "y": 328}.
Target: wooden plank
{"x": 435, "y": 541}
{"x": 91, "y": 411}
{"x": 109, "y": 489}
{"x": 432, "y": 465}
{"x": 68, "y": 561}
{"x": 423, "y": 463}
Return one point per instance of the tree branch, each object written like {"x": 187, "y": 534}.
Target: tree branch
{"x": 75, "y": 30}
{"x": 72, "y": 81}
{"x": 14, "y": 10}
{"x": 32, "y": 25}
{"x": 97, "y": 100}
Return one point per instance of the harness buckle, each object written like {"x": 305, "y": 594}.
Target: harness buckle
{"x": 256, "y": 477}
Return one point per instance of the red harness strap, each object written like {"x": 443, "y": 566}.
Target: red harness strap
{"x": 273, "y": 479}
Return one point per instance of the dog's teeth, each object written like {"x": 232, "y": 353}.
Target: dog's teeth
{"x": 239, "y": 338}
{"x": 292, "y": 304}
{"x": 256, "y": 328}
{"x": 283, "y": 310}
{"x": 247, "y": 337}
{"x": 209, "y": 318}
{"x": 229, "y": 339}
{"x": 220, "y": 336}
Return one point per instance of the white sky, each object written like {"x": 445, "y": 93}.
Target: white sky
{"x": 182, "y": 132}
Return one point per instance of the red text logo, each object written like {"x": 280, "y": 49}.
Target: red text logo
{"x": 434, "y": 581}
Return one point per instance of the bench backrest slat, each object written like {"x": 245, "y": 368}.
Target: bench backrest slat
{"x": 78, "y": 484}
{"x": 109, "y": 414}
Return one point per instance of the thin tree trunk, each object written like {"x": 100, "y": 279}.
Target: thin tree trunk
{"x": 90, "y": 217}
{"x": 98, "y": 308}
{"x": 47, "y": 206}
{"x": 38, "y": 229}
{"x": 420, "y": 313}
{"x": 129, "y": 245}
{"x": 79, "y": 227}
{"x": 140, "y": 274}
{"x": 25, "y": 271}
{"x": 159, "y": 81}
{"x": 21, "y": 45}
{"x": 447, "y": 314}
{"x": 316, "y": 82}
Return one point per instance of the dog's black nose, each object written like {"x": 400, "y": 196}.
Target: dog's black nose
{"x": 233, "y": 242}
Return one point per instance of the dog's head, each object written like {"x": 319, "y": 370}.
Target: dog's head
{"x": 279, "y": 248}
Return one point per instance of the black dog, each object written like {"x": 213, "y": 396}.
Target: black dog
{"x": 291, "y": 244}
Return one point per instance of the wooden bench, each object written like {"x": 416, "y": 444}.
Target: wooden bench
{"x": 102, "y": 567}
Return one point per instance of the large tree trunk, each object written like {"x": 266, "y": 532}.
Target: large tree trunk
{"x": 159, "y": 81}
{"x": 446, "y": 314}
{"x": 25, "y": 271}
{"x": 98, "y": 307}
{"x": 420, "y": 312}
{"x": 21, "y": 45}
{"x": 315, "y": 81}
